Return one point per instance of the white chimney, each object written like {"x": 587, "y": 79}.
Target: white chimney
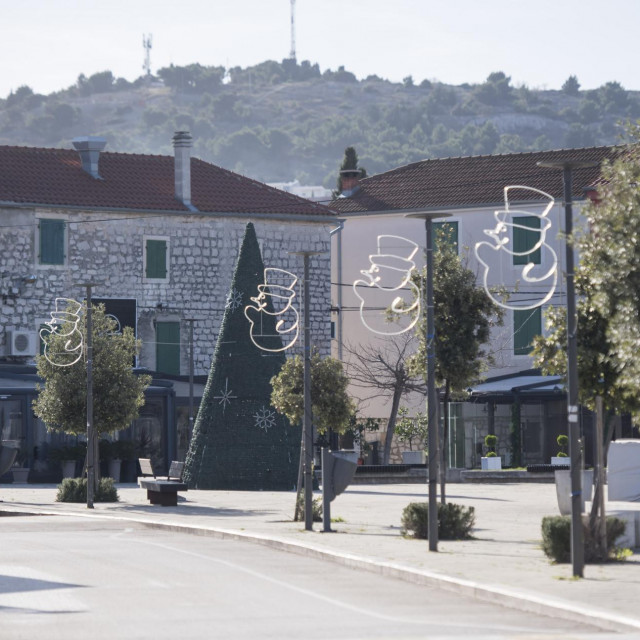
{"x": 182, "y": 164}
{"x": 89, "y": 148}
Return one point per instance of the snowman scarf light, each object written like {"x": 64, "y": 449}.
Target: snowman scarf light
{"x": 276, "y": 300}
{"x": 388, "y": 286}
{"x": 544, "y": 279}
{"x": 64, "y": 322}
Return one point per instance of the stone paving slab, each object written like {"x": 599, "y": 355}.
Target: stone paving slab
{"x": 503, "y": 563}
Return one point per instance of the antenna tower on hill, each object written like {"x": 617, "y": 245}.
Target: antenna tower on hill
{"x": 147, "y": 43}
{"x": 292, "y": 53}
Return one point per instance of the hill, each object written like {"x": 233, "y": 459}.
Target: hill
{"x": 283, "y": 121}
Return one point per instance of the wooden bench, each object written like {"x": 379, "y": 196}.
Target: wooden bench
{"x": 164, "y": 490}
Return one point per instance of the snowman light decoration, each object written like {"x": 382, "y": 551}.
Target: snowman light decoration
{"x": 64, "y": 322}
{"x": 281, "y": 298}
{"x": 544, "y": 279}
{"x": 390, "y": 273}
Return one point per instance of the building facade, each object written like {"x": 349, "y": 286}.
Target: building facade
{"x": 466, "y": 199}
{"x": 158, "y": 237}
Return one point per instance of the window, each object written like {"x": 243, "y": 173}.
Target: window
{"x": 524, "y": 241}
{"x": 526, "y": 325}
{"x": 155, "y": 258}
{"x": 168, "y": 347}
{"x": 446, "y": 232}
{"x": 51, "y": 241}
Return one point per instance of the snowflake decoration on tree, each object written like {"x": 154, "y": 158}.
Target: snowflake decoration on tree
{"x": 265, "y": 419}
{"x": 225, "y": 396}
{"x": 234, "y": 300}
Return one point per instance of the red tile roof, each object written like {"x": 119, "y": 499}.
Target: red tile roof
{"x": 31, "y": 175}
{"x": 470, "y": 181}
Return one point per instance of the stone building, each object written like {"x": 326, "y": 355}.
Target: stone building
{"x": 158, "y": 235}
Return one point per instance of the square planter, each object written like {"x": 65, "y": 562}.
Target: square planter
{"x": 555, "y": 460}
{"x": 414, "y": 457}
{"x": 20, "y": 475}
{"x": 563, "y": 489}
{"x": 494, "y": 463}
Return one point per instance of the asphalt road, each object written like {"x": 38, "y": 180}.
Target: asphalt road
{"x": 65, "y": 577}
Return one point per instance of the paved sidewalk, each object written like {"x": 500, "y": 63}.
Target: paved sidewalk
{"x": 503, "y": 563}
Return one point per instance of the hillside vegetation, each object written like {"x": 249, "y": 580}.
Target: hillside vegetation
{"x": 284, "y": 121}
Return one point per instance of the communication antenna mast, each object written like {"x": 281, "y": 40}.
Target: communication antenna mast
{"x": 147, "y": 42}
{"x": 292, "y": 53}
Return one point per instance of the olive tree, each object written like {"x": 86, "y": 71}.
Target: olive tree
{"x": 118, "y": 393}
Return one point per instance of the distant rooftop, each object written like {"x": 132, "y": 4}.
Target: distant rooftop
{"x": 40, "y": 176}
{"x": 470, "y": 181}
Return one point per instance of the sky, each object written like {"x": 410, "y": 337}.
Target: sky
{"x": 47, "y": 44}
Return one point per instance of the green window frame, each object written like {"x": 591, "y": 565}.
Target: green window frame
{"x": 526, "y": 325}
{"x": 52, "y": 241}
{"x": 447, "y": 232}
{"x": 168, "y": 347}
{"x": 156, "y": 259}
{"x": 524, "y": 240}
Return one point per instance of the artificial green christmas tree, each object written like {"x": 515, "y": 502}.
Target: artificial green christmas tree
{"x": 239, "y": 441}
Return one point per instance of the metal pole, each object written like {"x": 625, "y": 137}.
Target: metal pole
{"x": 575, "y": 452}
{"x": 90, "y": 430}
{"x": 432, "y": 413}
{"x": 307, "y": 426}
{"x": 601, "y": 524}
{"x": 190, "y": 321}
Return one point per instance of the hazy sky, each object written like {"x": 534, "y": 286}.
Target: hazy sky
{"x": 46, "y": 44}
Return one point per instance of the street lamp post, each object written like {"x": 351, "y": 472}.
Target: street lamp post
{"x": 91, "y": 439}
{"x": 575, "y": 451}
{"x": 307, "y": 421}
{"x": 432, "y": 399}
{"x": 191, "y": 365}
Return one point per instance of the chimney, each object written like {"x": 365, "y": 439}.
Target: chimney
{"x": 89, "y": 148}
{"x": 182, "y": 164}
{"x": 350, "y": 181}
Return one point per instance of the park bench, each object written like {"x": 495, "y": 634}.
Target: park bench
{"x": 162, "y": 490}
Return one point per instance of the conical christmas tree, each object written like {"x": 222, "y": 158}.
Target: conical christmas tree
{"x": 239, "y": 441}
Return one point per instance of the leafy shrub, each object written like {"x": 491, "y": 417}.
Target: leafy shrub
{"x": 455, "y": 521}
{"x": 556, "y": 538}
{"x": 563, "y": 443}
{"x": 75, "y": 490}
{"x": 491, "y": 441}
{"x": 316, "y": 508}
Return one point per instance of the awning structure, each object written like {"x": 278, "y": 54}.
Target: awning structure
{"x": 527, "y": 385}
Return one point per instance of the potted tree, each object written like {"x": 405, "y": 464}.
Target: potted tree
{"x": 409, "y": 429}
{"x": 562, "y": 457}
{"x": 492, "y": 461}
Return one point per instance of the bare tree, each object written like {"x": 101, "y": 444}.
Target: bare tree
{"x": 383, "y": 367}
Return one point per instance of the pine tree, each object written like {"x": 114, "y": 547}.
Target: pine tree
{"x": 239, "y": 441}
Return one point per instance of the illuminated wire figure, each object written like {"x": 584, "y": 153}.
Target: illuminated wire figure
{"x": 544, "y": 279}
{"x": 390, "y": 272}
{"x": 64, "y": 322}
{"x": 274, "y": 300}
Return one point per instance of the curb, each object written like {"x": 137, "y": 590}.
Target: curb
{"x": 513, "y": 599}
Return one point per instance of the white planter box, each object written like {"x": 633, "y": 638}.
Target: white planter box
{"x": 494, "y": 463}
{"x": 68, "y": 468}
{"x": 114, "y": 469}
{"x": 555, "y": 460}
{"x": 563, "y": 489}
{"x": 413, "y": 457}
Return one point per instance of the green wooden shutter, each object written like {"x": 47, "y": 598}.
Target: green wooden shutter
{"x": 524, "y": 240}
{"x": 156, "y": 266}
{"x": 446, "y": 232}
{"x": 526, "y": 325}
{"x": 52, "y": 241}
{"x": 168, "y": 347}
